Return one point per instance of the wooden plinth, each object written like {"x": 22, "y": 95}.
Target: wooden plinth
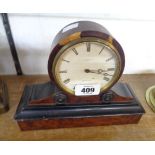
{"x": 51, "y": 116}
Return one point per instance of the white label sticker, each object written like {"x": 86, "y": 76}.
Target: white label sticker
{"x": 74, "y": 25}
{"x": 87, "y": 89}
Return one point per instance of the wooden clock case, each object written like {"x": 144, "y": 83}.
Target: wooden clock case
{"x": 47, "y": 106}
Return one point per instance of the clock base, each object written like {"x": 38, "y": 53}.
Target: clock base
{"x": 33, "y": 115}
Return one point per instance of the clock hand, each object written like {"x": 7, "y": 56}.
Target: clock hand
{"x": 99, "y": 71}
{"x": 91, "y": 71}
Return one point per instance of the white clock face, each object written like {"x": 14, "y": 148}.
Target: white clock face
{"x": 86, "y": 63}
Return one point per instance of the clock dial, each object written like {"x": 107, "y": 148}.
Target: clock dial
{"x": 87, "y": 62}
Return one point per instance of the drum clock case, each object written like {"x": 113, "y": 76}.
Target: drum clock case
{"x": 47, "y": 106}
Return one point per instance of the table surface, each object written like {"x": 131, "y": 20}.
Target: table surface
{"x": 144, "y": 130}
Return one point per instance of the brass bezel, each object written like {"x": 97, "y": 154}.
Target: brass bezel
{"x": 85, "y": 39}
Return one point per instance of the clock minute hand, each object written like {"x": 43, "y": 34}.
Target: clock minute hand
{"x": 99, "y": 71}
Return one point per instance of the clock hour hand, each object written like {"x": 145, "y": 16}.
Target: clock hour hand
{"x": 93, "y": 71}
{"x": 98, "y": 71}
{"x": 90, "y": 71}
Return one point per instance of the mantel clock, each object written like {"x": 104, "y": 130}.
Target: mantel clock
{"x": 84, "y": 67}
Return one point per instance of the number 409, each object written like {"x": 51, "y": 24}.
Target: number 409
{"x": 88, "y": 90}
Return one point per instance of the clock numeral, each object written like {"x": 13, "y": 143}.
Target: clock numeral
{"x": 88, "y": 46}
{"x": 63, "y": 71}
{"x": 101, "y": 50}
{"x": 75, "y": 51}
{"x": 65, "y": 60}
{"x": 109, "y": 59}
{"x": 66, "y": 81}
{"x": 111, "y": 69}
{"x": 106, "y": 79}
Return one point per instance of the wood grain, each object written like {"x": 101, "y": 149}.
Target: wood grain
{"x": 78, "y": 122}
{"x": 144, "y": 130}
